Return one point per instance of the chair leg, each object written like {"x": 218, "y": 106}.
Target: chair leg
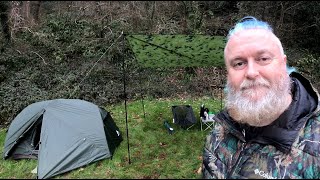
{"x": 201, "y": 124}
{"x": 190, "y": 126}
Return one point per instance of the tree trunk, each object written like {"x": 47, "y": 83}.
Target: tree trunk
{"x": 4, "y": 18}
{"x": 35, "y": 9}
{"x": 26, "y": 10}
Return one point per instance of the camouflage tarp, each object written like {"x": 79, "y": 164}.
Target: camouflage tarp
{"x": 177, "y": 50}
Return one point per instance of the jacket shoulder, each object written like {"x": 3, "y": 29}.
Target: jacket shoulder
{"x": 309, "y": 139}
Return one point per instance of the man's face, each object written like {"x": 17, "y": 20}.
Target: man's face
{"x": 254, "y": 56}
{"x": 258, "y": 84}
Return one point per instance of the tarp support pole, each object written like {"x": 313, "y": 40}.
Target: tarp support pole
{"x": 125, "y": 96}
{"x": 221, "y": 87}
{"x": 144, "y": 112}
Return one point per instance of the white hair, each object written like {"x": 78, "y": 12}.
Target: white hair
{"x": 250, "y": 22}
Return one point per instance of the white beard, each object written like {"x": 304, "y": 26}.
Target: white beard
{"x": 263, "y": 111}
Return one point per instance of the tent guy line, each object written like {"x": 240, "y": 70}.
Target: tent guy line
{"x": 77, "y": 86}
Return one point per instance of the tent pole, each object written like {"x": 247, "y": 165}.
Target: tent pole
{"x": 221, "y": 87}
{"x": 125, "y": 97}
{"x": 144, "y": 112}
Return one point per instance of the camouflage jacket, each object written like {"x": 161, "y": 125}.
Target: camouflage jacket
{"x": 289, "y": 148}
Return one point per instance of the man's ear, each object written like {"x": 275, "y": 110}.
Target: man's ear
{"x": 284, "y": 58}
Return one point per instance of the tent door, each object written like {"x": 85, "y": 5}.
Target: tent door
{"x": 29, "y": 145}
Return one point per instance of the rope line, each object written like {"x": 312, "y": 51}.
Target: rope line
{"x": 94, "y": 65}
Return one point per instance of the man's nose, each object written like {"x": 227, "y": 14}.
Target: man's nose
{"x": 252, "y": 70}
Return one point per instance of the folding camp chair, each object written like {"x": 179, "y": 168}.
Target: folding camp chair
{"x": 206, "y": 119}
{"x": 183, "y": 115}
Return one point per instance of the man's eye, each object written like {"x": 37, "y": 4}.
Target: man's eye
{"x": 264, "y": 60}
{"x": 238, "y": 65}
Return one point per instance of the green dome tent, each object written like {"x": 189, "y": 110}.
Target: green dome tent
{"x": 63, "y": 134}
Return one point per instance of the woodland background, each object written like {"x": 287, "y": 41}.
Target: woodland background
{"x": 74, "y": 49}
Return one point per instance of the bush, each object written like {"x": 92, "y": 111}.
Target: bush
{"x": 307, "y": 64}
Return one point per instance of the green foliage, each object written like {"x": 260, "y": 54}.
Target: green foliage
{"x": 154, "y": 153}
{"x": 308, "y": 63}
{"x": 67, "y": 38}
{"x": 309, "y": 66}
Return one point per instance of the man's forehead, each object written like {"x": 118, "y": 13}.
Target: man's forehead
{"x": 251, "y": 33}
{"x": 254, "y": 36}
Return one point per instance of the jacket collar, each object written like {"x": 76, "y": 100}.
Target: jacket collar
{"x": 283, "y": 131}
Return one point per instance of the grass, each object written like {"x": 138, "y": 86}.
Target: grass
{"x": 154, "y": 153}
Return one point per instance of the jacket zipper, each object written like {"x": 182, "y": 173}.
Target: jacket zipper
{"x": 236, "y": 164}
{"x": 238, "y": 160}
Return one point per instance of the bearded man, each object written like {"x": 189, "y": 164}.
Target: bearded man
{"x": 270, "y": 126}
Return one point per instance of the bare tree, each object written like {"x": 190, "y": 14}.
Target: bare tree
{"x": 35, "y": 10}
{"x": 4, "y": 18}
{"x": 25, "y": 10}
